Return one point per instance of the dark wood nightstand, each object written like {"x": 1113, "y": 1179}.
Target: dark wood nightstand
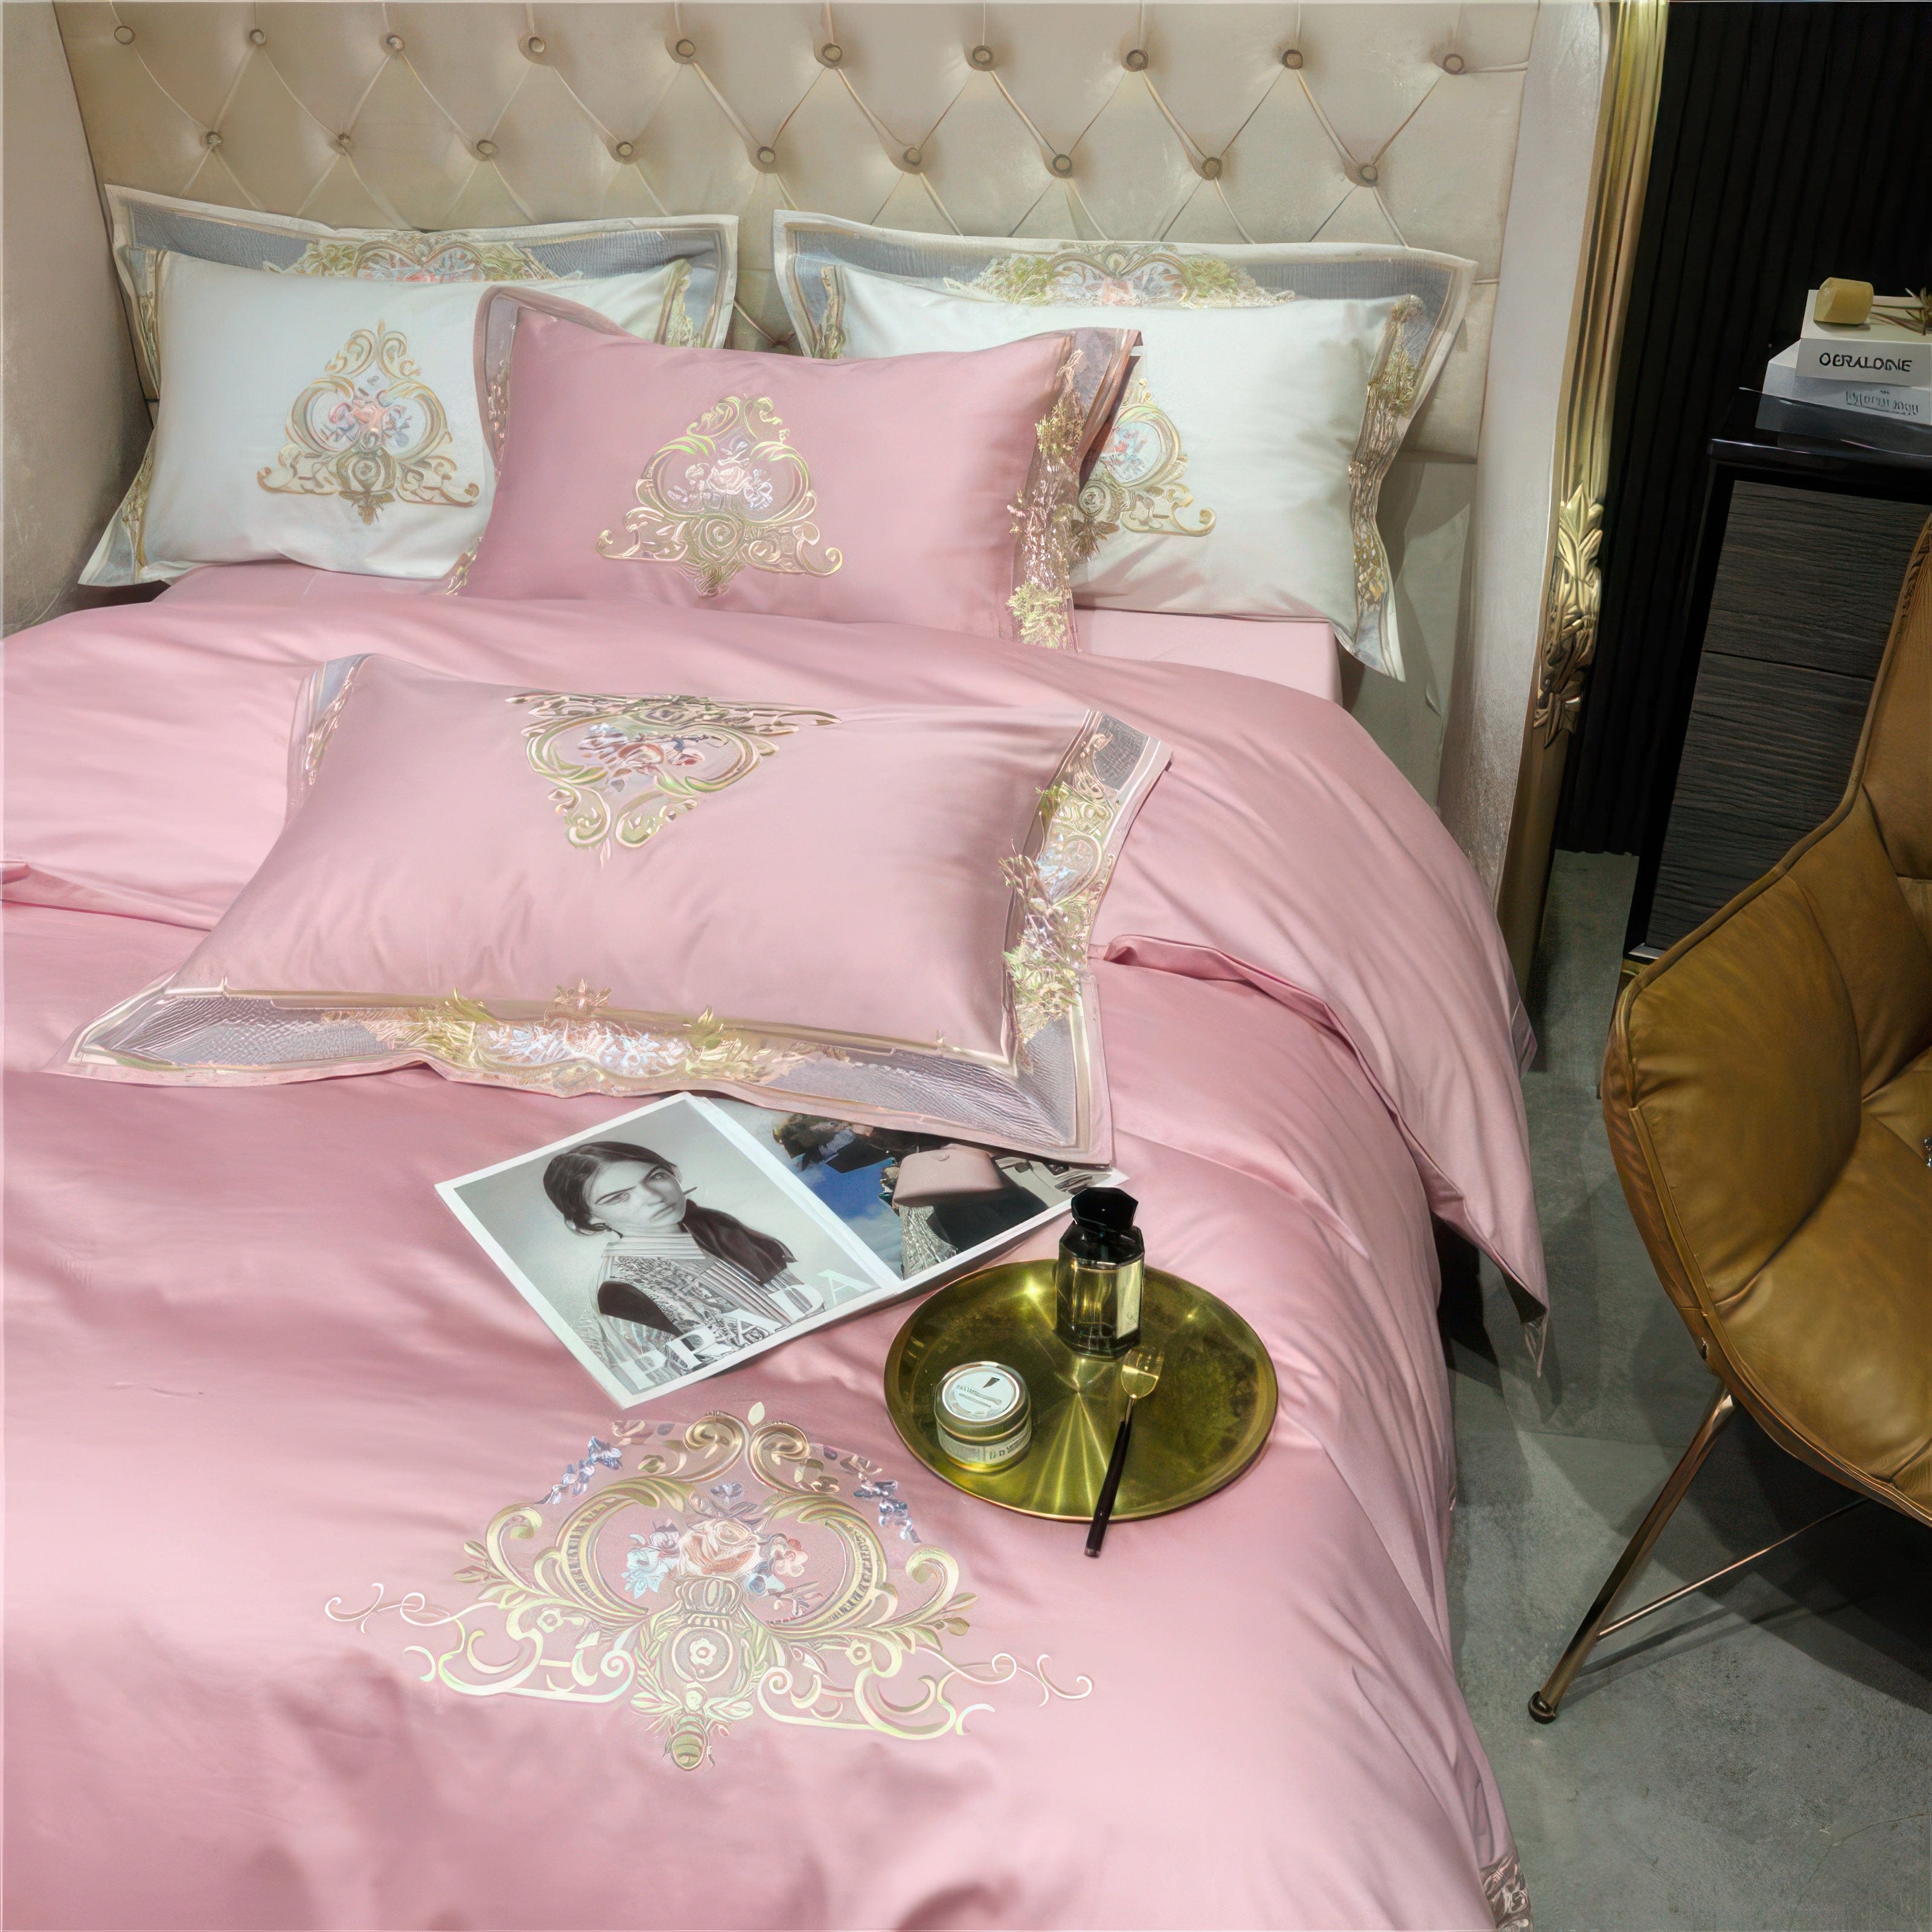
{"x": 1800, "y": 557}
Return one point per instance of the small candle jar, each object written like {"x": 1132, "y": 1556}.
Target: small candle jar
{"x": 983, "y": 1415}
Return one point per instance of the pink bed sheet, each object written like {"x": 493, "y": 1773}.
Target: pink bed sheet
{"x": 1298, "y": 651}
{"x": 263, "y": 1391}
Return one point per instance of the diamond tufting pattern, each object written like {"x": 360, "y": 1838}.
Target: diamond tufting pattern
{"x": 1117, "y": 121}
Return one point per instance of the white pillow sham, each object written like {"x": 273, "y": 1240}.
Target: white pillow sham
{"x": 233, "y": 294}
{"x": 690, "y": 302}
{"x": 1244, "y": 475}
{"x": 334, "y": 423}
{"x": 1225, "y": 487}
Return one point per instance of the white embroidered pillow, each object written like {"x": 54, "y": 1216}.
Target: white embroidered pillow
{"x": 1274, "y": 388}
{"x": 331, "y": 421}
{"x": 670, "y": 281}
{"x": 670, "y": 277}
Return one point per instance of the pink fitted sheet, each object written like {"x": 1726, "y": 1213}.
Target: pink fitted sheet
{"x": 1298, "y": 651}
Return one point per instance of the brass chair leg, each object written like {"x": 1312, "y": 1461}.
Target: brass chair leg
{"x": 1544, "y": 1703}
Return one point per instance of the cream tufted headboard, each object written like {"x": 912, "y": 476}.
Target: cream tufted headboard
{"x": 1203, "y": 122}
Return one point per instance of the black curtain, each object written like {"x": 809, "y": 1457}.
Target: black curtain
{"x": 1793, "y": 142}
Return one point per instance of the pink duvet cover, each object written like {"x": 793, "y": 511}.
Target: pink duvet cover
{"x": 263, "y": 1392}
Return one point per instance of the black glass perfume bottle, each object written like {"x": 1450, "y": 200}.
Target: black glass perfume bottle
{"x": 1097, "y": 1279}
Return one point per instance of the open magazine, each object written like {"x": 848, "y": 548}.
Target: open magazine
{"x": 673, "y": 1242}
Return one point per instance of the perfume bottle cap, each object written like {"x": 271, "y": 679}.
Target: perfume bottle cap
{"x": 1105, "y": 1210}
{"x": 1103, "y": 1228}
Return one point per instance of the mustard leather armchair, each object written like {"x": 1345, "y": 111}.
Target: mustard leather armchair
{"x": 1767, "y": 1090}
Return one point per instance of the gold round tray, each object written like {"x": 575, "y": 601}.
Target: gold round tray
{"x": 1198, "y": 1430}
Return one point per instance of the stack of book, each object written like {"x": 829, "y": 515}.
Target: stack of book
{"x": 1879, "y": 367}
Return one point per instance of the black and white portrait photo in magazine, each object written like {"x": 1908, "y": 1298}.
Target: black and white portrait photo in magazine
{"x": 666, "y": 1245}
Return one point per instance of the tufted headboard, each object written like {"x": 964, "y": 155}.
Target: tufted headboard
{"x": 1454, "y": 127}
{"x": 1395, "y": 123}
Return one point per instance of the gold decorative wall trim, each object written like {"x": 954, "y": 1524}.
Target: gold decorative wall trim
{"x": 1573, "y": 583}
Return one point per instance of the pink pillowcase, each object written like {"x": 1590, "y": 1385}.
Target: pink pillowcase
{"x": 880, "y": 908}
{"x": 915, "y": 489}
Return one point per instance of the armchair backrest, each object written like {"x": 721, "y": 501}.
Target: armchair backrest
{"x": 1894, "y": 760}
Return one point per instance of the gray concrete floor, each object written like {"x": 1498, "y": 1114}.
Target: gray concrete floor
{"x": 1758, "y": 1755}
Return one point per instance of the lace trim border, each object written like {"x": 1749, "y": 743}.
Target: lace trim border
{"x": 1507, "y": 1895}
{"x": 1046, "y": 526}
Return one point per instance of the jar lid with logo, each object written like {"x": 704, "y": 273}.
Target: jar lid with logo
{"x": 983, "y": 1413}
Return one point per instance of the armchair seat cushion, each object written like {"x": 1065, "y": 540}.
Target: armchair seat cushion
{"x": 1835, "y": 1331}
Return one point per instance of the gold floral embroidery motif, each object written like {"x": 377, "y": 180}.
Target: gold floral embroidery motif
{"x": 1044, "y": 520}
{"x": 369, "y": 429}
{"x": 674, "y": 323}
{"x": 1393, "y": 383}
{"x": 496, "y": 408}
{"x": 832, "y": 327}
{"x": 1122, "y": 275}
{"x": 1060, "y": 888}
{"x": 134, "y": 510}
{"x": 147, "y": 308}
{"x": 580, "y": 1001}
{"x": 620, "y": 768}
{"x": 1046, "y": 968}
{"x": 570, "y": 1051}
{"x": 406, "y": 257}
{"x": 679, "y": 330}
{"x": 322, "y": 729}
{"x": 1135, "y": 485}
{"x": 729, "y": 1577}
{"x": 729, "y": 493}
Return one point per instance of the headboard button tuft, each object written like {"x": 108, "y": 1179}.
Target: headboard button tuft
{"x": 768, "y": 158}
{"x": 1063, "y": 165}
{"x": 486, "y": 148}
{"x": 212, "y": 138}
{"x": 981, "y": 57}
{"x": 1452, "y": 63}
{"x": 685, "y": 51}
{"x": 831, "y": 54}
{"x": 1368, "y": 174}
{"x": 914, "y": 159}
{"x": 1135, "y": 60}
{"x": 1211, "y": 167}
{"x": 534, "y": 46}
{"x": 125, "y": 35}
{"x": 625, "y": 151}
{"x": 256, "y": 37}
{"x": 1292, "y": 58}
{"x": 393, "y": 42}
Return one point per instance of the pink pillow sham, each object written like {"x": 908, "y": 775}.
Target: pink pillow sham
{"x": 883, "y": 909}
{"x": 934, "y": 490}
